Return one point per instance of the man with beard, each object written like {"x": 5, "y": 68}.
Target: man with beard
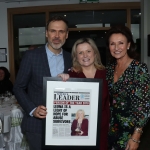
{"x": 47, "y": 61}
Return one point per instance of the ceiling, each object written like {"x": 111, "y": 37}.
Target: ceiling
{"x": 11, "y": 1}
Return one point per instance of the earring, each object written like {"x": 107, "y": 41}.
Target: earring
{"x": 127, "y": 48}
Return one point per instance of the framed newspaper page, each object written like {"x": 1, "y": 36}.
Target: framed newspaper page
{"x": 74, "y": 113}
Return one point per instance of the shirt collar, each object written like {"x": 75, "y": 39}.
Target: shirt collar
{"x": 50, "y": 53}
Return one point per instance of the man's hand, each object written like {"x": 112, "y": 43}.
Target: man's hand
{"x": 40, "y": 112}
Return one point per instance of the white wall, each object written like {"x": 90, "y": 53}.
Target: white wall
{"x": 3, "y": 32}
{"x": 3, "y": 16}
{"x": 145, "y": 30}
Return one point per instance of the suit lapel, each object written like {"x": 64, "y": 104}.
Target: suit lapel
{"x": 66, "y": 62}
{"x": 45, "y": 62}
{"x": 46, "y": 65}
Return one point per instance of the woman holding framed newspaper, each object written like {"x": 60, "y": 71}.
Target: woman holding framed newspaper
{"x": 87, "y": 64}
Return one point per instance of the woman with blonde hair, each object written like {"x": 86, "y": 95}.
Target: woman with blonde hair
{"x": 97, "y": 60}
{"x": 87, "y": 64}
{"x": 80, "y": 124}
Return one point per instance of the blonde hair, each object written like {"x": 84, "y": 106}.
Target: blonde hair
{"x": 97, "y": 61}
{"x": 78, "y": 112}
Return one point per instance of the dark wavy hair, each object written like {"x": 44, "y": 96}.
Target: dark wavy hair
{"x": 57, "y": 18}
{"x": 7, "y": 74}
{"x": 127, "y": 33}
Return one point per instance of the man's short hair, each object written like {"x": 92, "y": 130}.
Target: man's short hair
{"x": 57, "y": 18}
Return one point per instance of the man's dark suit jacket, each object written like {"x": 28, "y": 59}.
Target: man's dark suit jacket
{"x": 33, "y": 68}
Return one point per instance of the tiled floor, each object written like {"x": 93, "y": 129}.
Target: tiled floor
{"x": 145, "y": 139}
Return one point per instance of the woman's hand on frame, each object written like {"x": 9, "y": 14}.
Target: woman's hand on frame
{"x": 64, "y": 76}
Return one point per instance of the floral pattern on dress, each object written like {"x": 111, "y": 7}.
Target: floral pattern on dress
{"x": 130, "y": 105}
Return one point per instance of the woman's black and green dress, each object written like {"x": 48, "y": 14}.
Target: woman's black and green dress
{"x": 130, "y": 105}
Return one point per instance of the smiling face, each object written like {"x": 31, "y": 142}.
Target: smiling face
{"x": 85, "y": 55}
{"x": 56, "y": 34}
{"x": 118, "y": 45}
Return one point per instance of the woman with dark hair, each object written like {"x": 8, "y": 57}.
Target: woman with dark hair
{"x": 129, "y": 88}
{"x": 5, "y": 83}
